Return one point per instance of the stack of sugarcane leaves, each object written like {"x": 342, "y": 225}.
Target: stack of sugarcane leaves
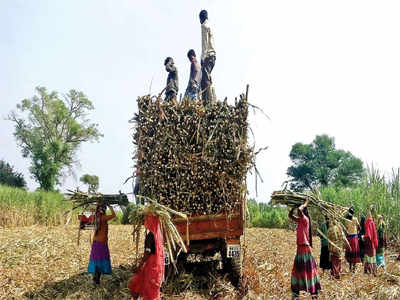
{"x": 193, "y": 158}
{"x": 332, "y": 211}
{"x": 172, "y": 239}
{"x": 85, "y": 200}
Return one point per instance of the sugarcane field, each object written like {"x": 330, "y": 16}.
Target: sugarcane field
{"x": 134, "y": 164}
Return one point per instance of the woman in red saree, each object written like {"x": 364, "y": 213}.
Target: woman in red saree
{"x": 371, "y": 243}
{"x": 147, "y": 281}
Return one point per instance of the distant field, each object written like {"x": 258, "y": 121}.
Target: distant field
{"x": 39, "y": 262}
{"x": 19, "y": 207}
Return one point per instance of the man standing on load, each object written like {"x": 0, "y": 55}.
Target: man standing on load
{"x": 192, "y": 90}
{"x": 208, "y": 56}
{"x": 171, "y": 90}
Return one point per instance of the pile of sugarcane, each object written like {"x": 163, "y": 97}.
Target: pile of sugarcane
{"x": 191, "y": 157}
{"x": 84, "y": 200}
{"x": 333, "y": 211}
{"x": 172, "y": 239}
{"x": 293, "y": 199}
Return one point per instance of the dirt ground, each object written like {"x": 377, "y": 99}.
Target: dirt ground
{"x": 46, "y": 263}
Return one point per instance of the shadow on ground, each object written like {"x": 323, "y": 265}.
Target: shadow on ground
{"x": 81, "y": 286}
{"x": 203, "y": 279}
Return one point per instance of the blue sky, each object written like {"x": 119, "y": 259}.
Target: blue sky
{"x": 313, "y": 66}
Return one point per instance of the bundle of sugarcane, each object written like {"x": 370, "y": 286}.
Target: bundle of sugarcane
{"x": 333, "y": 211}
{"x": 84, "y": 200}
{"x": 293, "y": 199}
{"x": 193, "y": 158}
{"x": 172, "y": 238}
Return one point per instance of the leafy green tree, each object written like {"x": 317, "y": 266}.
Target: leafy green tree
{"x": 50, "y": 131}
{"x": 321, "y": 164}
{"x": 92, "y": 181}
{"x": 10, "y": 177}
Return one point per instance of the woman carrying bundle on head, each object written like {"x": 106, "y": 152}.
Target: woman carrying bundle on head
{"x": 353, "y": 253}
{"x": 382, "y": 244}
{"x": 150, "y": 272}
{"x": 370, "y": 240}
{"x": 324, "y": 260}
{"x": 338, "y": 240}
{"x": 305, "y": 272}
{"x": 99, "y": 262}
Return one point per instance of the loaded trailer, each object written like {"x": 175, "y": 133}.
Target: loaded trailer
{"x": 194, "y": 159}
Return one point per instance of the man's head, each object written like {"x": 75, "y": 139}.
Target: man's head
{"x": 203, "y": 16}
{"x": 168, "y": 60}
{"x": 191, "y": 54}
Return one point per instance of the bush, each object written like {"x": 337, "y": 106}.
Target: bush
{"x": 264, "y": 215}
{"x": 126, "y": 212}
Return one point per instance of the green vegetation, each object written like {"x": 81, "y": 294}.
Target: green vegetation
{"x": 320, "y": 164}
{"x": 51, "y": 132}
{"x": 19, "y": 207}
{"x": 92, "y": 181}
{"x": 375, "y": 188}
{"x": 10, "y": 177}
{"x": 264, "y": 215}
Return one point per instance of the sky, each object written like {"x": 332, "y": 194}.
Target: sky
{"x": 314, "y": 67}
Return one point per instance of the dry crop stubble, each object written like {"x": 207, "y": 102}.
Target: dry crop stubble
{"x": 40, "y": 262}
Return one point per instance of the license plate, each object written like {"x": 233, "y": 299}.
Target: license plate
{"x": 233, "y": 251}
{"x": 166, "y": 258}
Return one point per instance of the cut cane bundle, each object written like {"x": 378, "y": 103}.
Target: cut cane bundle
{"x": 191, "y": 157}
{"x": 293, "y": 199}
{"x": 88, "y": 202}
{"x": 172, "y": 239}
{"x": 332, "y": 211}
{"x": 84, "y": 200}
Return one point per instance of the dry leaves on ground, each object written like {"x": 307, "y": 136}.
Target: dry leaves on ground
{"x": 40, "y": 262}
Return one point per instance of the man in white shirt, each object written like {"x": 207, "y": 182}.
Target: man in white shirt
{"x": 208, "y": 56}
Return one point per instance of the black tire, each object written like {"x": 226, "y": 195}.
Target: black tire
{"x": 170, "y": 271}
{"x": 232, "y": 267}
{"x": 234, "y": 270}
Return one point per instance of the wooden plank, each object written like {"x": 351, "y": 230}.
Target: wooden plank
{"x": 211, "y": 226}
{"x": 218, "y": 227}
{"x": 217, "y": 234}
{"x": 206, "y": 218}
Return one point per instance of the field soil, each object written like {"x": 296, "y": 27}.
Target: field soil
{"x": 40, "y": 262}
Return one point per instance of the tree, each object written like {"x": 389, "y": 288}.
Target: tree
{"x": 51, "y": 132}
{"x": 10, "y": 177}
{"x": 92, "y": 182}
{"x": 321, "y": 164}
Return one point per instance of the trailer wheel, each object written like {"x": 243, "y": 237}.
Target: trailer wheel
{"x": 233, "y": 267}
{"x": 170, "y": 271}
{"x": 234, "y": 270}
